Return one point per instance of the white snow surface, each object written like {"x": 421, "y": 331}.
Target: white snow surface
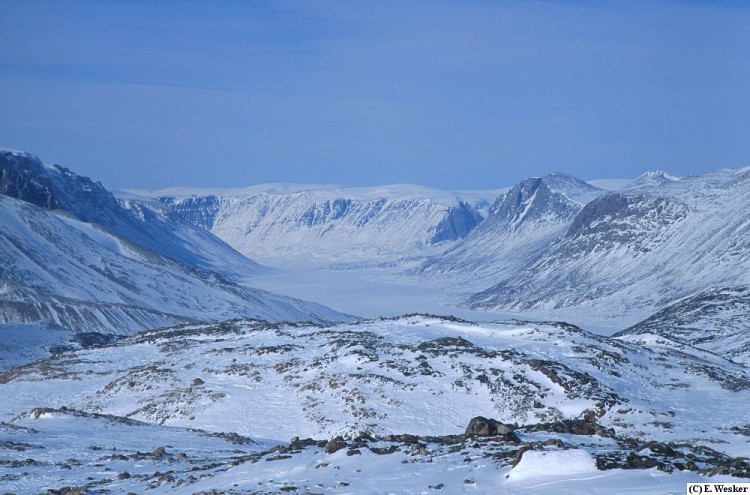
{"x": 416, "y": 374}
{"x": 561, "y": 464}
{"x": 24, "y": 343}
{"x": 282, "y": 223}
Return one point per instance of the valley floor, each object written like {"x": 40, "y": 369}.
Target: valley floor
{"x": 374, "y": 292}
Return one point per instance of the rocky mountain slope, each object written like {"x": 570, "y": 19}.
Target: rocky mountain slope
{"x": 715, "y": 319}
{"x": 630, "y": 253}
{"x": 521, "y": 224}
{"x": 24, "y": 177}
{"x": 329, "y": 225}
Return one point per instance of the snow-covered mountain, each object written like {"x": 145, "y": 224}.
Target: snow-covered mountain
{"x": 716, "y": 319}
{"x": 630, "y": 253}
{"x": 24, "y": 176}
{"x": 77, "y": 275}
{"x": 281, "y": 223}
{"x": 398, "y": 392}
{"x": 521, "y": 224}
{"x": 80, "y": 275}
{"x": 654, "y": 178}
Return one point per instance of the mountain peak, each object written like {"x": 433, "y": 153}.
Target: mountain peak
{"x": 653, "y": 178}
{"x": 9, "y": 152}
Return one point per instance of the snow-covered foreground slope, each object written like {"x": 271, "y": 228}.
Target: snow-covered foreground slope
{"x": 716, "y": 319}
{"x": 419, "y": 375}
{"x": 631, "y": 253}
{"x": 577, "y": 412}
{"x": 48, "y": 449}
{"x": 521, "y": 224}
{"x": 346, "y": 226}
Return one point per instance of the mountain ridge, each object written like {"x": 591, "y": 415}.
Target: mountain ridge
{"x": 521, "y": 224}
{"x": 282, "y": 223}
{"x": 626, "y": 254}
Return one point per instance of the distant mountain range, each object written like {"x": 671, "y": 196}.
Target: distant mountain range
{"x": 331, "y": 225}
{"x": 551, "y": 246}
{"x": 555, "y": 245}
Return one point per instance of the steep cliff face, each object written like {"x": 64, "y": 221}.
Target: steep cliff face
{"x": 458, "y": 222}
{"x": 199, "y": 211}
{"x": 22, "y": 176}
{"x": 317, "y": 224}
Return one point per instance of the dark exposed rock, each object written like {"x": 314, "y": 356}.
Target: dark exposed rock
{"x": 298, "y": 444}
{"x": 661, "y": 448}
{"x": 384, "y": 450}
{"x": 407, "y": 439}
{"x": 334, "y": 445}
{"x": 484, "y": 427}
{"x": 574, "y": 427}
{"x": 159, "y": 452}
{"x": 278, "y": 458}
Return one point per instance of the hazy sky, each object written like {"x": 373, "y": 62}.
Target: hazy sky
{"x": 450, "y": 94}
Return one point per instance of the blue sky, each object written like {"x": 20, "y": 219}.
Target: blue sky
{"x": 449, "y": 94}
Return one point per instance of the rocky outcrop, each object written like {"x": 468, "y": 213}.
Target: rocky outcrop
{"x": 484, "y": 427}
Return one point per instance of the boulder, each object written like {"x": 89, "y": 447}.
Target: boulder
{"x": 484, "y": 427}
{"x": 334, "y": 445}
